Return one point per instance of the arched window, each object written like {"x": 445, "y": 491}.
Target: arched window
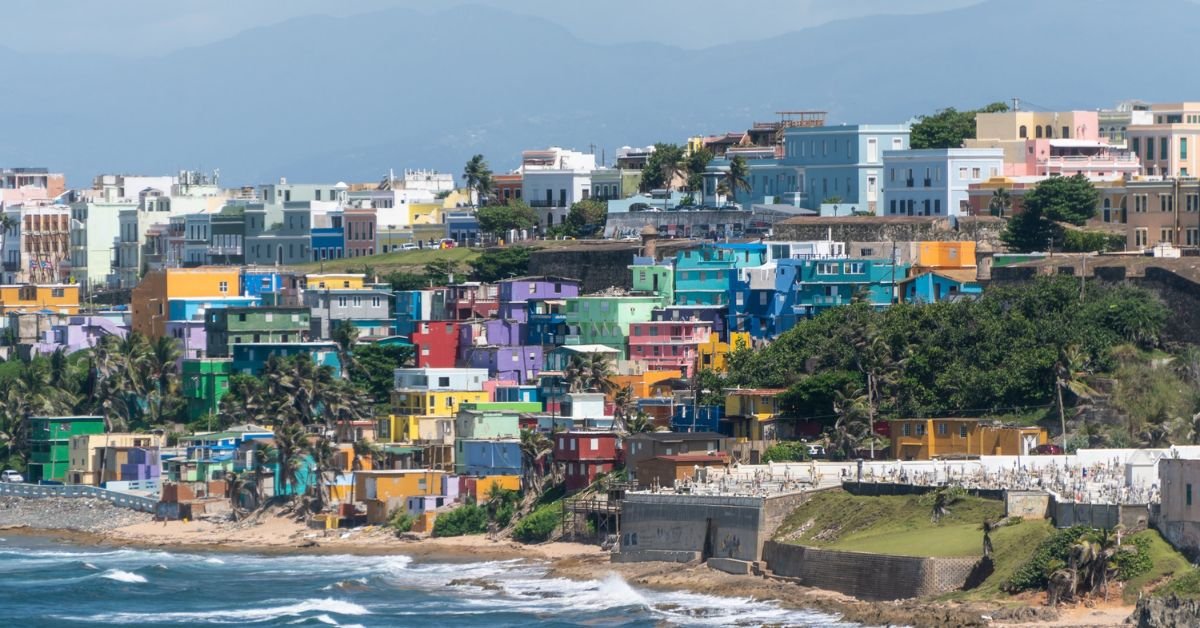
{"x": 1038, "y": 131}
{"x": 1024, "y": 132}
{"x": 1049, "y": 131}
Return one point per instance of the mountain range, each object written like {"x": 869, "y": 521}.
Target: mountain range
{"x": 323, "y": 98}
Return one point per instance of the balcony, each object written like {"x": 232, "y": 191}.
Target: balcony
{"x": 12, "y": 267}
{"x": 908, "y": 183}
{"x": 928, "y": 183}
{"x": 548, "y": 204}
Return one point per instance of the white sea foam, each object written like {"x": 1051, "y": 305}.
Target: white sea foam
{"x": 123, "y": 576}
{"x": 233, "y": 616}
{"x": 90, "y": 566}
{"x": 214, "y": 561}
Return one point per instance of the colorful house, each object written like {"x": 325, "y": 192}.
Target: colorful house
{"x": 648, "y": 445}
{"x": 668, "y": 345}
{"x": 928, "y": 439}
{"x": 50, "y": 444}
{"x": 32, "y": 298}
{"x": 703, "y": 276}
{"x": 435, "y": 343}
{"x": 651, "y": 277}
{"x": 205, "y": 381}
{"x": 229, "y": 326}
{"x": 519, "y": 364}
{"x": 714, "y": 354}
{"x": 249, "y": 358}
{"x": 486, "y": 420}
{"x": 584, "y": 456}
{"x": 752, "y": 412}
{"x": 486, "y": 458}
{"x": 151, "y": 298}
{"x": 99, "y": 458}
{"x": 547, "y": 322}
{"x": 805, "y": 288}
{"x": 932, "y": 286}
{"x": 605, "y": 320}
{"x": 515, "y": 294}
{"x": 386, "y": 490}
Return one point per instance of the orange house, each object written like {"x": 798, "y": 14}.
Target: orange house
{"x": 927, "y": 439}
{"x": 33, "y": 298}
{"x": 151, "y": 296}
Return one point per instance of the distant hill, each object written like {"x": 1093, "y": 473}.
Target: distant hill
{"x": 322, "y": 98}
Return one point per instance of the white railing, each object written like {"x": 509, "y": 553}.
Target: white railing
{"x": 36, "y": 491}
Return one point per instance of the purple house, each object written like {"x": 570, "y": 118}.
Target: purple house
{"x": 504, "y": 332}
{"x": 515, "y": 292}
{"x": 79, "y": 333}
{"x": 712, "y": 314}
{"x": 191, "y": 336}
{"x": 519, "y": 364}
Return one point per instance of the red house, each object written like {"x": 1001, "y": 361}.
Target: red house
{"x": 585, "y": 455}
{"x": 435, "y": 343}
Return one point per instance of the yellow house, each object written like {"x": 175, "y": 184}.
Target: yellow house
{"x": 643, "y": 384}
{"x": 386, "y": 490}
{"x": 926, "y": 439}
{"x": 943, "y": 255}
{"x": 335, "y": 281}
{"x": 455, "y": 199}
{"x": 425, "y": 214}
{"x": 149, "y": 298}
{"x": 752, "y": 412}
{"x": 714, "y": 354}
{"x": 86, "y": 455}
{"x": 425, "y": 415}
{"x": 31, "y": 298}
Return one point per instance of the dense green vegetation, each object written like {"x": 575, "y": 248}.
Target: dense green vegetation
{"x": 947, "y": 128}
{"x": 539, "y": 525}
{"x": 786, "y": 451}
{"x": 1052, "y": 203}
{"x": 1004, "y": 353}
{"x": 505, "y": 263}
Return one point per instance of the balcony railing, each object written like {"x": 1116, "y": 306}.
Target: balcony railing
{"x": 545, "y": 203}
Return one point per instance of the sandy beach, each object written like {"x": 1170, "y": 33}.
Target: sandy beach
{"x": 271, "y": 534}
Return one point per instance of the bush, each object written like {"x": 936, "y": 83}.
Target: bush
{"x": 466, "y": 519}
{"x": 1089, "y": 241}
{"x": 1133, "y": 564}
{"x": 539, "y": 524}
{"x": 786, "y": 451}
{"x": 401, "y": 521}
{"x": 1050, "y": 555}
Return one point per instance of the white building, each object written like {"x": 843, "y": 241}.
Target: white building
{"x": 933, "y": 182}
{"x": 434, "y": 379}
{"x": 36, "y": 249}
{"x": 553, "y": 179}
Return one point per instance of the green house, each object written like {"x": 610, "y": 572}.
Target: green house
{"x": 205, "y": 381}
{"x": 654, "y": 278}
{"x": 241, "y": 325}
{"x": 606, "y": 320}
{"x": 50, "y": 444}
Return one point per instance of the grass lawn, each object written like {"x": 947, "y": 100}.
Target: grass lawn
{"x": 1168, "y": 564}
{"x": 1013, "y": 546}
{"x": 899, "y": 525}
{"x": 405, "y": 261}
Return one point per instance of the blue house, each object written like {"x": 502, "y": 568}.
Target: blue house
{"x": 547, "y": 322}
{"x": 487, "y": 457}
{"x": 527, "y": 393}
{"x": 843, "y": 161}
{"x": 328, "y": 243}
{"x": 412, "y": 306}
{"x": 250, "y": 358}
{"x": 193, "y": 308}
{"x": 805, "y": 288}
{"x": 697, "y": 419}
{"x": 941, "y": 285}
{"x": 704, "y": 276}
{"x": 257, "y": 282}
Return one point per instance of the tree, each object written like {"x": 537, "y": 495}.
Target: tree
{"x": 535, "y": 448}
{"x": 324, "y": 469}
{"x": 851, "y": 426}
{"x": 498, "y": 220}
{"x": 494, "y": 265}
{"x": 1000, "y": 203}
{"x": 1071, "y": 373}
{"x": 589, "y": 373}
{"x": 624, "y": 407}
{"x": 738, "y": 176}
{"x": 439, "y": 272}
{"x": 586, "y": 218}
{"x": 696, "y": 164}
{"x": 477, "y": 176}
{"x": 948, "y": 128}
{"x": 374, "y": 367}
{"x": 640, "y": 423}
{"x": 1070, "y": 200}
{"x": 662, "y": 166}
{"x": 345, "y": 334}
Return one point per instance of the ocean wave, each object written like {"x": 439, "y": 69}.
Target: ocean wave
{"x": 325, "y": 606}
{"x": 214, "y": 561}
{"x": 123, "y": 576}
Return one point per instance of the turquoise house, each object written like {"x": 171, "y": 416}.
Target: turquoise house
{"x": 805, "y": 287}
{"x": 250, "y": 358}
{"x": 941, "y": 285}
{"x": 705, "y": 276}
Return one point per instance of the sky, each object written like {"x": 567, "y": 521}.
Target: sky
{"x": 136, "y": 28}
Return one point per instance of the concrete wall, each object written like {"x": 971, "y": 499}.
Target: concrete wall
{"x": 983, "y": 229}
{"x": 1103, "y": 516}
{"x": 677, "y": 527}
{"x": 1027, "y": 504}
{"x": 598, "y": 266}
{"x": 871, "y": 576}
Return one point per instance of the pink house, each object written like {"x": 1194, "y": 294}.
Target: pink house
{"x": 668, "y": 345}
{"x": 1092, "y": 158}
{"x": 359, "y": 229}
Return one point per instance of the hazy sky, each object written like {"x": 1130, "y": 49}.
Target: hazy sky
{"x": 149, "y": 27}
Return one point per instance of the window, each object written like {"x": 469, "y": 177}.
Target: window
{"x": 920, "y": 429}
{"x": 57, "y": 292}
{"x": 1193, "y": 236}
{"x": 1038, "y": 131}
{"x": 1149, "y": 148}
{"x": 962, "y": 173}
{"x": 341, "y": 301}
{"x": 1164, "y": 145}
{"x": 1166, "y": 234}
{"x": 1166, "y": 202}
{"x": 1139, "y": 203}
{"x": 962, "y": 430}
{"x": 1183, "y": 148}
{"x": 223, "y": 287}
{"x": 907, "y": 430}
{"x": 1189, "y": 494}
{"x": 595, "y": 444}
{"x": 1140, "y": 235}
{"x": 943, "y": 429}
{"x": 1136, "y": 146}
{"x": 827, "y": 269}
{"x": 975, "y": 173}
{"x": 855, "y": 268}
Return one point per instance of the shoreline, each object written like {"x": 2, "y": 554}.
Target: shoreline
{"x": 275, "y": 536}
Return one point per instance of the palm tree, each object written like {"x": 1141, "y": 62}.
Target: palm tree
{"x": 1070, "y": 373}
{"x": 345, "y": 334}
{"x": 478, "y": 177}
{"x": 738, "y": 176}
{"x": 264, "y": 454}
{"x": 290, "y": 443}
{"x": 640, "y": 423}
{"x": 8, "y": 224}
{"x": 723, "y": 191}
{"x": 848, "y": 431}
{"x": 598, "y": 373}
{"x": 324, "y": 468}
{"x": 1000, "y": 202}
{"x": 535, "y": 447}
{"x": 624, "y": 405}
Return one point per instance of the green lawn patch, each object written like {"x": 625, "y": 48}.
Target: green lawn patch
{"x": 1167, "y": 564}
{"x": 898, "y": 525}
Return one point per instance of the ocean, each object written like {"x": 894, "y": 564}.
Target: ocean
{"x": 48, "y": 583}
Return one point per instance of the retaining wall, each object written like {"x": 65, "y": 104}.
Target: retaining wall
{"x": 1103, "y": 516}
{"x": 133, "y": 502}
{"x": 870, "y": 576}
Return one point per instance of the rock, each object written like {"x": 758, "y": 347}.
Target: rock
{"x": 1164, "y": 612}
{"x": 475, "y": 582}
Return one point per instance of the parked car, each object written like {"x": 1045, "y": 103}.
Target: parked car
{"x": 409, "y": 247}
{"x": 9, "y": 475}
{"x": 1047, "y": 450}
